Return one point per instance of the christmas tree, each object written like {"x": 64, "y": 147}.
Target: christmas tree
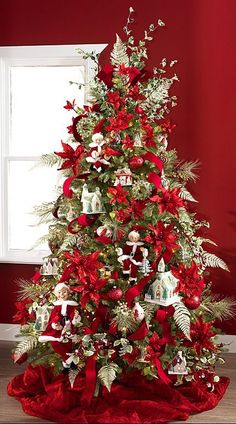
{"x": 122, "y": 308}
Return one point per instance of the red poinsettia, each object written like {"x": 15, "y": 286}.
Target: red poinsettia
{"x": 191, "y": 282}
{"x": 137, "y": 207}
{"x": 134, "y": 93}
{"x": 118, "y": 194}
{"x": 147, "y": 132}
{"x": 119, "y": 122}
{"x": 127, "y": 142}
{"x": 73, "y": 157}
{"x": 22, "y": 315}
{"x": 154, "y": 348}
{"x": 69, "y": 105}
{"x": 167, "y": 126}
{"x": 122, "y": 215}
{"x": 81, "y": 266}
{"x": 201, "y": 333}
{"x": 168, "y": 200}
{"x": 89, "y": 291}
{"x": 113, "y": 97}
{"x": 130, "y": 71}
{"x": 132, "y": 356}
{"x": 106, "y": 75}
{"x": 163, "y": 240}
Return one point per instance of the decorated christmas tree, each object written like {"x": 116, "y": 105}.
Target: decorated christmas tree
{"x": 118, "y": 324}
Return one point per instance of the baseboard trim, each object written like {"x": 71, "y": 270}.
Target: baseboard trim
{"x": 9, "y": 332}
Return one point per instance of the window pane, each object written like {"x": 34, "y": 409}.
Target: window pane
{"x": 28, "y": 187}
{"x": 38, "y": 94}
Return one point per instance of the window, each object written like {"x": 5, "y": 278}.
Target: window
{"x": 34, "y": 88}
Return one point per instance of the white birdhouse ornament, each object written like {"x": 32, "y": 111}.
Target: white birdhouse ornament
{"x": 123, "y": 177}
{"x": 92, "y": 201}
{"x": 163, "y": 290}
{"x": 178, "y": 365}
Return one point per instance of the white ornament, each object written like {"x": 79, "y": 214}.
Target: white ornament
{"x": 123, "y": 177}
{"x": 92, "y": 201}
{"x": 178, "y": 365}
{"x": 162, "y": 290}
{"x": 138, "y": 311}
{"x": 49, "y": 266}
{"x": 42, "y": 317}
{"x": 104, "y": 230}
{"x": 138, "y": 141}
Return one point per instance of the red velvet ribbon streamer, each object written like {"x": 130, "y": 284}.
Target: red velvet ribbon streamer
{"x": 136, "y": 290}
{"x": 140, "y": 333}
{"x": 154, "y": 159}
{"x": 82, "y": 220}
{"x": 90, "y": 377}
{"x": 36, "y": 277}
{"x": 66, "y": 187}
{"x": 156, "y": 361}
{"x": 104, "y": 240}
{"x": 154, "y": 178}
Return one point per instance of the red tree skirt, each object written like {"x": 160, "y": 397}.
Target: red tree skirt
{"x": 132, "y": 400}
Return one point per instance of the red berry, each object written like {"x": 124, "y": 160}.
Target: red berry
{"x": 115, "y": 294}
{"x": 136, "y": 162}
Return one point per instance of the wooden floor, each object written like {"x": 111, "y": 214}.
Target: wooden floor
{"x": 11, "y": 412}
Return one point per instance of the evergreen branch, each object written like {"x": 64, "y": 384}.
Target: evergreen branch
{"x": 186, "y": 170}
{"x": 221, "y": 309}
{"x": 25, "y": 346}
{"x": 49, "y": 160}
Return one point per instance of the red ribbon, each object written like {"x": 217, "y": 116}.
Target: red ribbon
{"x": 154, "y": 159}
{"x": 104, "y": 240}
{"x": 136, "y": 290}
{"x": 66, "y": 187}
{"x": 140, "y": 333}
{"x": 36, "y": 277}
{"x": 156, "y": 361}
{"x": 154, "y": 178}
{"x": 90, "y": 378}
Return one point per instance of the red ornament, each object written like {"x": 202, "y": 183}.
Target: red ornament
{"x": 115, "y": 293}
{"x": 136, "y": 162}
{"x": 192, "y": 302}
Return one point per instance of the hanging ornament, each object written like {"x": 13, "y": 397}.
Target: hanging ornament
{"x": 115, "y": 293}
{"x": 163, "y": 290}
{"x": 138, "y": 141}
{"x": 132, "y": 255}
{"x": 192, "y": 302}
{"x": 138, "y": 312}
{"x": 145, "y": 268}
{"x": 49, "y": 267}
{"x": 103, "y": 230}
{"x": 164, "y": 181}
{"x": 92, "y": 201}
{"x": 42, "y": 317}
{"x": 178, "y": 365}
{"x": 123, "y": 177}
{"x": 136, "y": 162}
{"x": 70, "y": 215}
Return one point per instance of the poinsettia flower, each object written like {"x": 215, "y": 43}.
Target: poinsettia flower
{"x": 134, "y": 93}
{"x": 127, "y": 142}
{"x": 22, "y": 315}
{"x": 113, "y": 97}
{"x": 201, "y": 334}
{"x": 168, "y": 200}
{"x": 119, "y": 122}
{"x": 69, "y": 105}
{"x": 132, "y": 356}
{"x": 106, "y": 75}
{"x": 81, "y": 266}
{"x": 108, "y": 151}
{"x": 148, "y": 132}
{"x": 99, "y": 126}
{"x": 130, "y": 71}
{"x": 122, "y": 215}
{"x": 73, "y": 157}
{"x": 167, "y": 126}
{"x": 118, "y": 194}
{"x": 89, "y": 291}
{"x": 137, "y": 207}
{"x": 191, "y": 282}
{"x": 163, "y": 239}
{"x": 154, "y": 348}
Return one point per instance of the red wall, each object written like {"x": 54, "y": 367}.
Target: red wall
{"x": 201, "y": 35}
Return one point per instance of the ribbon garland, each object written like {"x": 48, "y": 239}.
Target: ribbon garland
{"x": 136, "y": 290}
{"x": 140, "y": 333}
{"x": 153, "y": 177}
{"x": 66, "y": 187}
{"x": 157, "y": 363}
{"x": 90, "y": 376}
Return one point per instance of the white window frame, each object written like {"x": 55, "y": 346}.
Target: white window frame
{"x": 54, "y": 55}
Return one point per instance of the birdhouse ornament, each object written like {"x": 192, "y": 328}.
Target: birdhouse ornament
{"x": 92, "y": 201}
{"x": 123, "y": 177}
{"x": 163, "y": 290}
{"x": 178, "y": 365}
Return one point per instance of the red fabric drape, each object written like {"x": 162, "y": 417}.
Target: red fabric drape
{"x": 133, "y": 399}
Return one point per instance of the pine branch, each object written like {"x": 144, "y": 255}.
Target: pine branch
{"x": 49, "y": 160}
{"x": 186, "y": 170}
{"x": 222, "y": 309}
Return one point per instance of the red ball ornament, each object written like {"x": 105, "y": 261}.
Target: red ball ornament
{"x": 115, "y": 293}
{"x": 136, "y": 162}
{"x": 192, "y": 302}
